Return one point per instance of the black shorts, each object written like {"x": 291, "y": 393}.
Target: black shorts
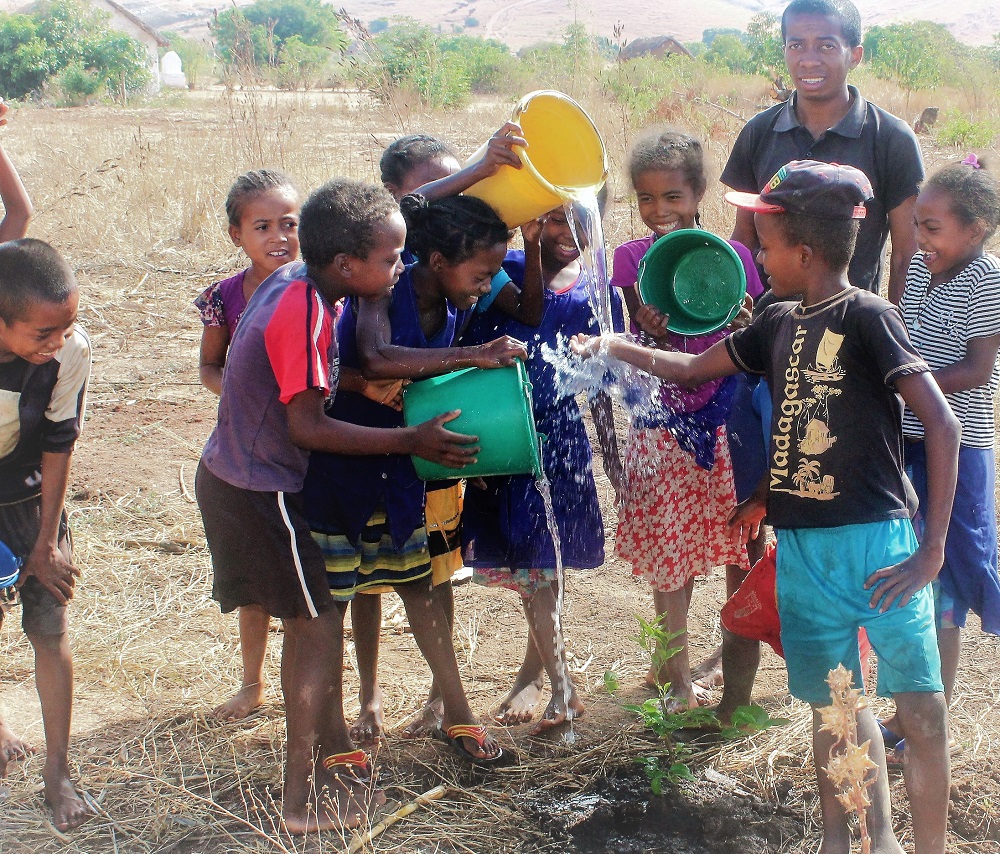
{"x": 41, "y": 613}
{"x": 262, "y": 551}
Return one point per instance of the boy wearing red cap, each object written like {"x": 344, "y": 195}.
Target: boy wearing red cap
{"x": 847, "y": 558}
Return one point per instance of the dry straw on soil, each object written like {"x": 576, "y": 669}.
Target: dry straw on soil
{"x": 134, "y": 200}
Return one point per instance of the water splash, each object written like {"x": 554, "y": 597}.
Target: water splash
{"x": 583, "y": 213}
{"x": 544, "y": 488}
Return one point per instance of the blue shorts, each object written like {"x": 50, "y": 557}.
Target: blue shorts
{"x": 969, "y": 577}
{"x": 822, "y": 603}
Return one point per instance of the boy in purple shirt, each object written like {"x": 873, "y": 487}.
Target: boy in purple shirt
{"x": 281, "y": 371}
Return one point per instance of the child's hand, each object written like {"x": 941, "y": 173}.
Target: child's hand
{"x": 896, "y": 585}
{"x": 531, "y": 232}
{"x": 652, "y": 321}
{"x": 433, "y": 442}
{"x": 742, "y": 319}
{"x": 500, "y": 150}
{"x": 585, "y": 346}
{"x": 386, "y": 392}
{"x": 499, "y": 353}
{"x": 4, "y": 109}
{"x": 616, "y": 474}
{"x": 745, "y": 520}
{"x": 50, "y": 567}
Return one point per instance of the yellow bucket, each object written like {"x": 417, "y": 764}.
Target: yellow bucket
{"x": 565, "y": 155}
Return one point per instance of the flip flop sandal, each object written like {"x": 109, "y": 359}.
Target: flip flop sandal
{"x": 355, "y": 766}
{"x": 478, "y": 733}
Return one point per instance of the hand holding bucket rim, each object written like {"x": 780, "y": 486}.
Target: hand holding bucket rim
{"x": 567, "y": 157}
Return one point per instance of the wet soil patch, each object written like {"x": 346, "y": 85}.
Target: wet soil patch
{"x": 619, "y": 814}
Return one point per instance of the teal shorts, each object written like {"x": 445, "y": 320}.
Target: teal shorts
{"x": 822, "y": 603}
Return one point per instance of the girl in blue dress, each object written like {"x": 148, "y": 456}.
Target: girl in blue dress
{"x": 505, "y": 535}
{"x": 367, "y": 512}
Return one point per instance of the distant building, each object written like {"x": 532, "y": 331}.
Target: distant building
{"x": 658, "y": 46}
{"x": 124, "y": 21}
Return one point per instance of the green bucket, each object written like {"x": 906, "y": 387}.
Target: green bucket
{"x": 695, "y": 278}
{"x": 496, "y": 407}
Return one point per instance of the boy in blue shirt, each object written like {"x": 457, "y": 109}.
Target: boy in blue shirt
{"x": 836, "y": 363}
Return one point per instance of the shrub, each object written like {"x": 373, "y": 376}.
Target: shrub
{"x": 253, "y": 36}
{"x": 75, "y": 85}
{"x": 488, "y": 65}
{"x": 962, "y": 131}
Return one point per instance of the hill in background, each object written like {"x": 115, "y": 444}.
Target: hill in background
{"x": 523, "y": 22}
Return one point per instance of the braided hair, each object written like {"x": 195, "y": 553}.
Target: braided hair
{"x": 249, "y": 186}
{"x": 457, "y": 226}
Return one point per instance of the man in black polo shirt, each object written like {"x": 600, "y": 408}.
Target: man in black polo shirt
{"x": 828, "y": 120}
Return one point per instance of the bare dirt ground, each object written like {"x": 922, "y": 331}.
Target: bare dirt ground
{"x": 133, "y": 198}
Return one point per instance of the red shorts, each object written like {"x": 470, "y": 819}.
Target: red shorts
{"x": 752, "y": 611}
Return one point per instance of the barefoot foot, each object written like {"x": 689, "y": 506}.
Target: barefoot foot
{"x": 248, "y": 698}
{"x": 558, "y": 712}
{"x": 518, "y": 707}
{"x": 425, "y": 722}
{"x": 676, "y": 701}
{"x": 345, "y": 798}
{"x": 12, "y": 748}
{"x": 369, "y": 728}
{"x": 708, "y": 674}
{"x": 69, "y": 810}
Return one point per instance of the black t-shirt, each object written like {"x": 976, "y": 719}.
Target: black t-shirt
{"x": 868, "y": 138}
{"x": 836, "y": 443}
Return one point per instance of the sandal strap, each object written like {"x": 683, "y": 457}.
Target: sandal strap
{"x": 350, "y": 760}
{"x": 477, "y": 732}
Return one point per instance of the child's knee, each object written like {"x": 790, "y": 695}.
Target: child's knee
{"x": 922, "y": 715}
{"x": 49, "y": 643}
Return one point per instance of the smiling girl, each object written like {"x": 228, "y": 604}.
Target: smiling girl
{"x": 679, "y": 485}
{"x": 951, "y": 306}
{"x": 263, "y": 212}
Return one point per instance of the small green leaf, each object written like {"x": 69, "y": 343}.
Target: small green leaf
{"x": 611, "y": 682}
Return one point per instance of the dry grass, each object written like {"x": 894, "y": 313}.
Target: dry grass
{"x": 134, "y": 199}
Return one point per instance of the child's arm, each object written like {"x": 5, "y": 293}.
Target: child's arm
{"x": 386, "y": 392}
{"x": 604, "y": 425}
{"x": 903, "y": 240}
{"x": 526, "y": 305}
{"x": 310, "y": 427}
{"x": 16, "y": 204}
{"x": 499, "y": 152}
{"x": 46, "y": 562}
{"x": 212, "y": 357}
{"x": 942, "y": 434}
{"x": 381, "y": 359}
{"x": 973, "y": 370}
{"x": 684, "y": 369}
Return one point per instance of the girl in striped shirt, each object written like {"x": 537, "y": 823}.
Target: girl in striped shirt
{"x": 951, "y": 306}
